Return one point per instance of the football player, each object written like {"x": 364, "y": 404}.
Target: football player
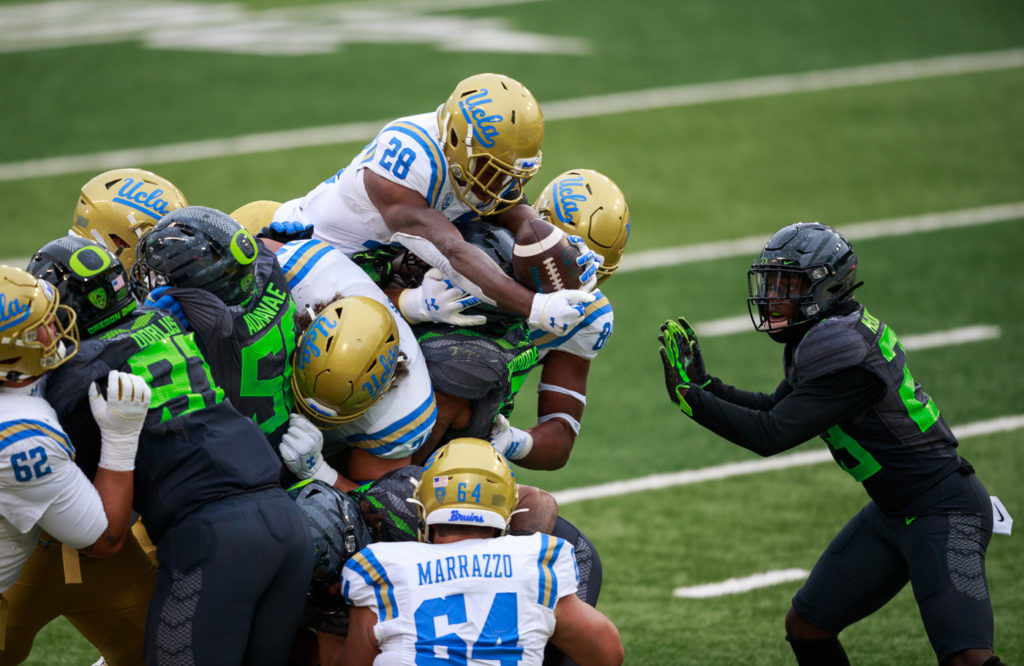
{"x": 585, "y": 203}
{"x": 229, "y": 289}
{"x": 470, "y": 157}
{"x": 115, "y": 208}
{"x": 929, "y": 519}
{"x": 504, "y": 597}
{"x": 359, "y": 373}
{"x": 234, "y": 549}
{"x": 47, "y": 500}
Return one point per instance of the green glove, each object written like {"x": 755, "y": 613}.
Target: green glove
{"x": 682, "y": 361}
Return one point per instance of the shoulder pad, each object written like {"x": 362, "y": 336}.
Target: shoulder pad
{"x": 830, "y": 346}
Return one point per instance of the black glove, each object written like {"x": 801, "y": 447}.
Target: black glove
{"x": 286, "y": 232}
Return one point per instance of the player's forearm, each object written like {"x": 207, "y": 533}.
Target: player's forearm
{"x": 115, "y": 490}
{"x": 552, "y": 444}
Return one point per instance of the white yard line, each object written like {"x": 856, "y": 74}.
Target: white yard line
{"x": 729, "y": 470}
{"x": 751, "y": 246}
{"x": 739, "y": 585}
{"x": 641, "y": 100}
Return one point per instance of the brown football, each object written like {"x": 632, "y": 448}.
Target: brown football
{"x": 543, "y": 259}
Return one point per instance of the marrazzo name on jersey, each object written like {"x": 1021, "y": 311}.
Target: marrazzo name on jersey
{"x": 484, "y": 565}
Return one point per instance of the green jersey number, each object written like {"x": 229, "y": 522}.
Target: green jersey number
{"x": 179, "y": 377}
{"x": 278, "y": 340}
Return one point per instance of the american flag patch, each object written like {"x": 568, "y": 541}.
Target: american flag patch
{"x": 440, "y": 481}
{"x": 118, "y": 282}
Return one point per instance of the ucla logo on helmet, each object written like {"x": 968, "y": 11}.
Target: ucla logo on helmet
{"x": 484, "y": 130}
{"x": 310, "y": 348}
{"x": 567, "y": 199}
{"x": 133, "y": 193}
{"x": 380, "y": 379}
{"x": 13, "y": 312}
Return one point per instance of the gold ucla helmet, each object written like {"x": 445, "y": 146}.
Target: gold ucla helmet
{"x": 345, "y": 361}
{"x": 117, "y": 207}
{"x": 589, "y": 204}
{"x": 26, "y": 304}
{"x": 256, "y": 215}
{"x": 466, "y": 482}
{"x": 491, "y": 129}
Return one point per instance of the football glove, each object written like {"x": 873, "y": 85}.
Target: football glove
{"x": 158, "y": 299}
{"x": 590, "y": 260}
{"x": 301, "y": 450}
{"x": 285, "y": 232}
{"x": 510, "y": 441}
{"x": 120, "y": 417}
{"x": 682, "y": 361}
{"x": 438, "y": 299}
{"x": 559, "y": 311}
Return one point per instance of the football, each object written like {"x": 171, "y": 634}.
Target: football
{"x": 543, "y": 259}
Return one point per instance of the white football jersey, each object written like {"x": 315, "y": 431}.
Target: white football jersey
{"x": 407, "y": 151}
{"x": 40, "y": 485}
{"x": 585, "y": 339}
{"x": 478, "y": 601}
{"x": 400, "y": 422}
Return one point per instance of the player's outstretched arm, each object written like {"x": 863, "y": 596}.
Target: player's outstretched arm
{"x": 120, "y": 417}
{"x": 585, "y": 635}
{"x": 406, "y": 212}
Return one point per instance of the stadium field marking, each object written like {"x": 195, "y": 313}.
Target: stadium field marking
{"x": 740, "y": 585}
{"x": 955, "y": 336}
{"x": 584, "y": 107}
{"x": 729, "y": 470}
{"x": 751, "y": 246}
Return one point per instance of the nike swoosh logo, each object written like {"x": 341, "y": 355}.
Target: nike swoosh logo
{"x": 910, "y": 520}
{"x": 1001, "y": 516}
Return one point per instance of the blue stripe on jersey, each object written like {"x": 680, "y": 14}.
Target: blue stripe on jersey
{"x": 305, "y": 246}
{"x": 543, "y": 339}
{"x": 369, "y": 151}
{"x": 335, "y": 176}
{"x": 300, "y": 269}
{"x": 372, "y": 572}
{"x": 548, "y": 583}
{"x": 14, "y": 431}
{"x": 437, "y": 170}
{"x": 409, "y": 428}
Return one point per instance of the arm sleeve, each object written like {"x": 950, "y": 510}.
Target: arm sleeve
{"x": 749, "y": 399}
{"x": 773, "y": 426}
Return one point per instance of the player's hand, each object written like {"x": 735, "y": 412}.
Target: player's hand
{"x": 438, "y": 299}
{"x": 589, "y": 260}
{"x": 120, "y": 417}
{"x": 159, "y": 299}
{"x": 677, "y": 360}
{"x": 510, "y": 441}
{"x": 287, "y": 231}
{"x": 559, "y": 311}
{"x": 301, "y": 450}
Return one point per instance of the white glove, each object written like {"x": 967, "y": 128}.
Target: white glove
{"x": 438, "y": 299}
{"x": 510, "y": 441}
{"x": 589, "y": 260}
{"x": 120, "y": 417}
{"x": 302, "y": 448}
{"x": 559, "y": 311}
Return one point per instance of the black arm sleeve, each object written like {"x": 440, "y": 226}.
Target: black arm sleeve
{"x": 749, "y": 399}
{"x": 796, "y": 416}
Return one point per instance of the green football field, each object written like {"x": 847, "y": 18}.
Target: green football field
{"x": 896, "y": 121}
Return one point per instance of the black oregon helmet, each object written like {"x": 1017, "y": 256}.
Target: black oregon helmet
{"x": 89, "y": 278}
{"x": 338, "y": 531}
{"x": 821, "y": 268}
{"x": 199, "y": 247}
